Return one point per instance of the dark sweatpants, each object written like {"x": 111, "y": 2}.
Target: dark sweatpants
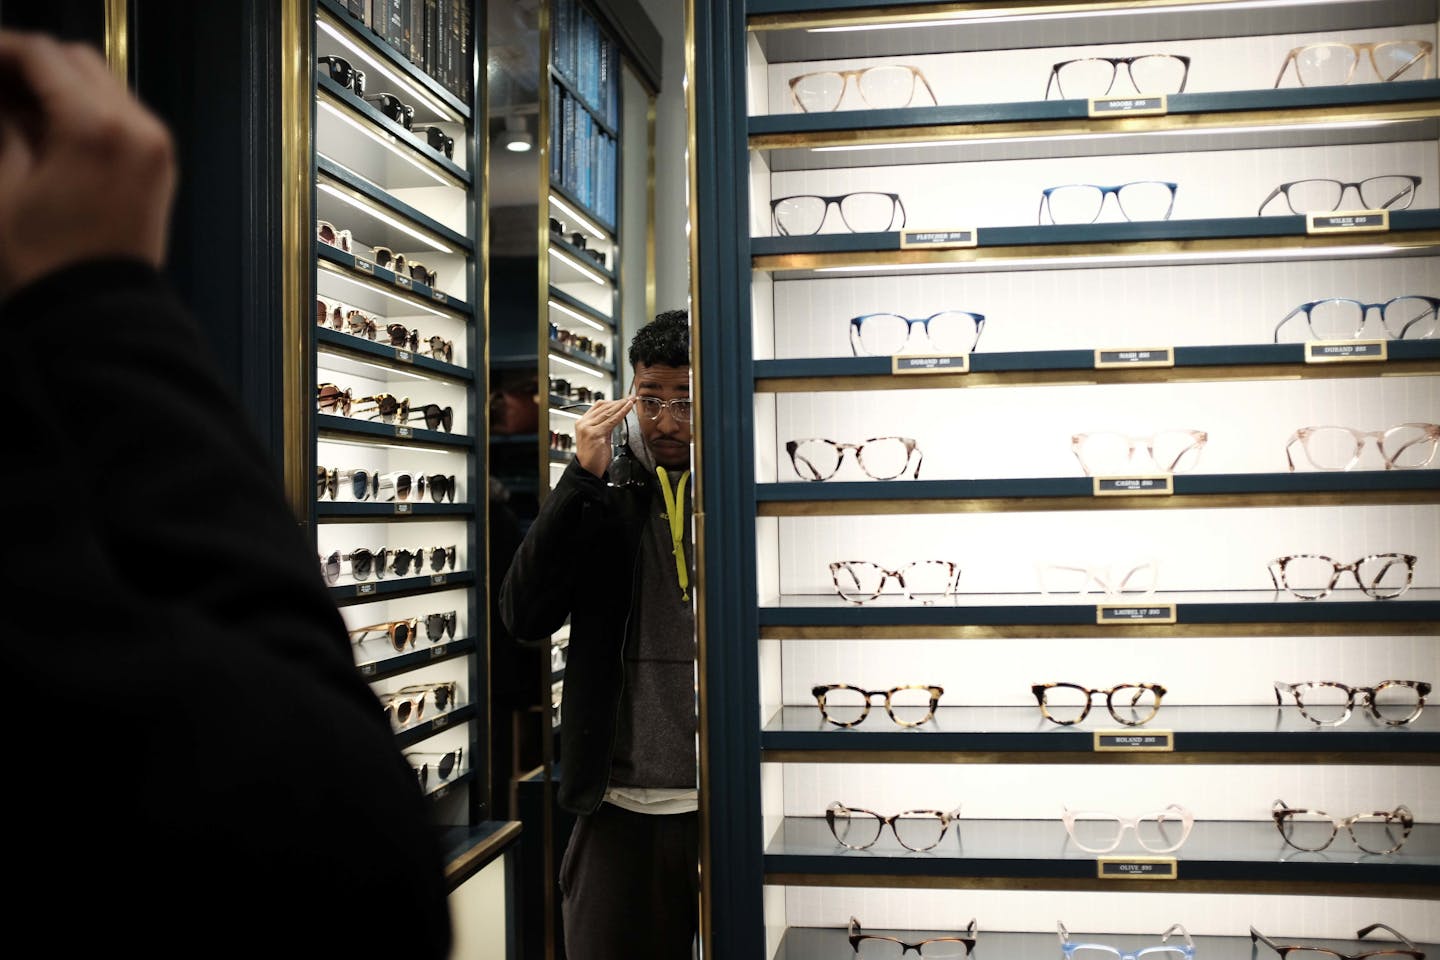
{"x": 631, "y": 886}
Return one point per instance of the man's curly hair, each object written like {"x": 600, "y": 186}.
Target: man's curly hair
{"x": 664, "y": 341}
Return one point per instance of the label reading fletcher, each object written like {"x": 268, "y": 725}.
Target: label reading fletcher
{"x": 938, "y": 239}
{"x": 1348, "y": 221}
{"x": 1135, "y": 357}
{"x": 1146, "y": 485}
{"x": 1137, "y": 868}
{"x": 1135, "y": 613}
{"x": 931, "y": 363}
{"x": 1345, "y": 351}
{"x": 364, "y": 266}
{"x": 1129, "y": 741}
{"x": 1129, "y": 106}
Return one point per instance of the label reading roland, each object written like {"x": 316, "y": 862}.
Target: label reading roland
{"x": 403, "y": 432}
{"x": 364, "y": 266}
{"x": 1160, "y": 741}
{"x": 1135, "y": 357}
{"x": 1348, "y": 221}
{"x": 931, "y": 363}
{"x": 402, "y": 508}
{"x": 939, "y": 239}
{"x": 1135, "y": 613}
{"x": 1129, "y": 106}
{"x": 1148, "y": 485}
{"x": 404, "y": 356}
{"x": 404, "y": 282}
{"x": 437, "y": 579}
{"x": 1345, "y": 351}
{"x": 364, "y": 589}
{"x": 437, "y": 295}
{"x": 1137, "y": 868}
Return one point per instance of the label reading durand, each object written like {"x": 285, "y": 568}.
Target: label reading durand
{"x": 1330, "y": 351}
{"x": 958, "y": 363}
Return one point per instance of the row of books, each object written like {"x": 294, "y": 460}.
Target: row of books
{"x": 583, "y": 157}
{"x": 432, "y": 34}
{"x": 587, "y": 58}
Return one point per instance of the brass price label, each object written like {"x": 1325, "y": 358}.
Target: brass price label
{"x": 1137, "y": 868}
{"x": 930, "y": 363}
{"x": 1346, "y": 351}
{"x": 1129, "y": 106}
{"x": 939, "y": 239}
{"x": 1111, "y": 358}
{"x": 1348, "y": 221}
{"x": 403, "y": 282}
{"x": 364, "y": 266}
{"x": 1141, "y": 485}
{"x": 1134, "y": 613}
{"x": 1131, "y": 741}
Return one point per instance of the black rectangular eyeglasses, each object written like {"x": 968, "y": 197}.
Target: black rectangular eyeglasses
{"x": 862, "y": 212}
{"x": 1082, "y": 202}
{"x": 1392, "y": 191}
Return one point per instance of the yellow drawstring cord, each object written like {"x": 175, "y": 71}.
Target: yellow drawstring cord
{"x": 675, "y": 511}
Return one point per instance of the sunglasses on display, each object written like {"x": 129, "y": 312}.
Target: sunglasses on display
{"x": 438, "y": 626}
{"x": 326, "y": 314}
{"x": 1407, "y": 446}
{"x": 403, "y": 708}
{"x": 1161, "y": 832}
{"x": 1082, "y": 202}
{"x": 887, "y": 334}
{"x": 443, "y": 693}
{"x": 438, "y": 140}
{"x": 924, "y": 581}
{"x": 1395, "y": 191}
{"x": 861, "y": 212}
{"x": 1095, "y": 951}
{"x": 325, "y": 232}
{"x": 403, "y": 337}
{"x": 885, "y": 87}
{"x": 847, "y": 706}
{"x": 361, "y": 325}
{"x": 869, "y": 946}
{"x": 1150, "y": 74}
{"x": 341, "y": 72}
{"x": 917, "y": 830}
{"x": 443, "y": 765}
{"x": 1067, "y": 704}
{"x": 1112, "y": 581}
{"x": 1168, "y": 451}
{"x": 1411, "y": 952}
{"x": 363, "y": 564}
{"x": 1332, "y": 63}
{"x": 399, "y": 633}
{"x": 1340, "y": 318}
{"x": 1328, "y": 704}
{"x": 393, "y": 108}
{"x": 1309, "y": 576}
{"x": 1383, "y": 831}
{"x": 881, "y": 458}
{"x": 329, "y": 398}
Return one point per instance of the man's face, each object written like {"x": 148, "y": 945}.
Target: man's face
{"x": 667, "y": 438}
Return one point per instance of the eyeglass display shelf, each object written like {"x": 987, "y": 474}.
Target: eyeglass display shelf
{"x": 390, "y": 509}
{"x": 1022, "y": 735}
{"x": 412, "y": 734}
{"x": 405, "y": 662}
{"x": 419, "y": 292}
{"x": 352, "y": 593}
{"x": 335, "y": 340}
{"x": 579, "y": 306}
{"x": 596, "y": 114}
{"x": 580, "y": 356}
{"x": 470, "y": 849}
{"x": 583, "y": 256}
{"x": 389, "y": 234}
{"x": 581, "y": 206}
{"x": 394, "y": 60}
{"x": 443, "y": 790}
{"x": 347, "y": 100}
{"x": 1248, "y": 854}
{"x": 328, "y": 426}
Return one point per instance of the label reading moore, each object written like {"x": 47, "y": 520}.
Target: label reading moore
{"x": 1137, "y": 868}
{"x": 931, "y": 363}
{"x": 364, "y": 266}
{"x": 402, "y": 508}
{"x": 939, "y": 239}
{"x": 1141, "y": 485}
{"x": 1135, "y": 357}
{"x": 1347, "y": 221}
{"x": 1135, "y": 613}
{"x": 1345, "y": 351}
{"x": 1130, "y": 741}
{"x": 1129, "y": 106}
{"x": 404, "y": 282}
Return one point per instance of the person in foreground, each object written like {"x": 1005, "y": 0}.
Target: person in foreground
{"x": 612, "y": 550}
{"x": 197, "y": 767}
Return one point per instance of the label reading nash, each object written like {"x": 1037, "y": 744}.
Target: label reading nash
{"x": 1348, "y": 221}
{"x": 1137, "y": 868}
{"x": 1135, "y": 357}
{"x": 1146, "y": 485}
{"x": 931, "y": 363}
{"x": 938, "y": 239}
{"x": 1135, "y": 613}
{"x": 1129, "y": 106}
{"x": 1343, "y": 351}
{"x": 364, "y": 266}
{"x": 1129, "y": 741}
{"x": 403, "y": 282}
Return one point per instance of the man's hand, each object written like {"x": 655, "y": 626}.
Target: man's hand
{"x": 85, "y": 170}
{"x": 592, "y": 433}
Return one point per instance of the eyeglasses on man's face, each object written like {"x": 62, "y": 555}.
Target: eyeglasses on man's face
{"x": 1327, "y": 703}
{"x": 1332, "y": 63}
{"x": 1164, "y": 950}
{"x": 1309, "y": 576}
{"x": 1406, "y": 446}
{"x": 1163, "y": 831}
{"x": 1082, "y": 202}
{"x": 861, "y": 212}
{"x": 884, "y": 87}
{"x": 1150, "y": 75}
{"x": 846, "y": 706}
{"x": 917, "y": 830}
{"x": 871, "y": 947}
{"x": 1394, "y": 191}
{"x": 1067, "y": 704}
{"x": 881, "y": 458}
{"x": 1409, "y": 951}
{"x": 886, "y": 334}
{"x": 1410, "y": 317}
{"x": 651, "y": 407}
{"x": 1168, "y": 451}
{"x": 1382, "y": 831}
{"x": 924, "y": 581}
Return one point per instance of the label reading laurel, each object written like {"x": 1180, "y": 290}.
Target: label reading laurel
{"x": 404, "y": 356}
{"x": 364, "y": 266}
{"x": 931, "y": 363}
{"x": 364, "y": 589}
{"x": 1147, "y": 485}
{"x": 1348, "y": 221}
{"x": 403, "y": 282}
{"x": 939, "y": 239}
{"x": 1135, "y": 613}
{"x": 1137, "y": 868}
{"x": 402, "y": 508}
{"x": 403, "y": 432}
{"x": 1345, "y": 351}
{"x": 437, "y": 579}
{"x": 1129, "y": 106}
{"x": 1135, "y": 357}
{"x": 1128, "y": 741}
{"x": 437, "y": 295}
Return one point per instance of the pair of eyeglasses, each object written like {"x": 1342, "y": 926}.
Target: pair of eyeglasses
{"x": 917, "y": 830}
{"x": 1407, "y": 446}
{"x": 1163, "y": 951}
{"x": 884, "y": 87}
{"x": 393, "y": 107}
{"x": 860, "y": 212}
{"x": 438, "y": 140}
{"x": 329, "y": 398}
{"x": 396, "y": 262}
{"x": 398, "y": 633}
{"x": 439, "y": 558}
{"x": 441, "y": 692}
{"x": 1411, "y": 951}
{"x": 1150, "y": 74}
{"x": 390, "y": 409}
{"x": 887, "y": 334}
{"x": 1409, "y": 317}
{"x": 651, "y": 407}
{"x": 847, "y": 706}
{"x": 1327, "y": 704}
{"x": 1083, "y": 202}
{"x": 1395, "y": 191}
{"x": 1067, "y": 704}
{"x": 1111, "y": 581}
{"x": 325, "y": 315}
{"x": 1311, "y": 576}
{"x": 363, "y": 564}
{"x": 881, "y": 458}
{"x": 1331, "y": 63}
{"x": 439, "y": 348}
{"x": 1382, "y": 831}
{"x": 924, "y": 581}
{"x": 1163, "y": 831}
{"x": 342, "y": 73}
{"x": 871, "y": 947}
{"x": 325, "y": 232}
{"x": 369, "y": 484}
{"x": 402, "y": 708}
{"x": 443, "y": 765}
{"x": 1168, "y": 451}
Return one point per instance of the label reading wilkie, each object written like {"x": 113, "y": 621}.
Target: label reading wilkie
{"x": 1141, "y": 485}
{"x": 1134, "y": 357}
{"x": 1348, "y": 221}
{"x": 1137, "y": 868}
{"x": 1134, "y": 613}
{"x": 1129, "y": 106}
{"x": 939, "y": 239}
{"x": 1345, "y": 351}
{"x": 931, "y": 363}
{"x": 364, "y": 266}
{"x": 1131, "y": 741}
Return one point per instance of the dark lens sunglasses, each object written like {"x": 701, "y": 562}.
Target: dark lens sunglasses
{"x": 392, "y": 106}
{"x": 439, "y": 140}
{"x": 441, "y": 487}
{"x": 403, "y": 336}
{"x": 436, "y": 417}
{"x": 360, "y": 325}
{"x": 344, "y": 74}
{"x": 440, "y": 625}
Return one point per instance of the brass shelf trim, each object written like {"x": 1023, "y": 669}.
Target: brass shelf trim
{"x": 860, "y": 508}
{"x": 994, "y": 10}
{"x": 1359, "y": 628}
{"x": 1189, "y": 758}
{"x": 1409, "y": 891}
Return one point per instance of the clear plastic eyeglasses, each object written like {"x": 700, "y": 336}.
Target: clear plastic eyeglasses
{"x": 861, "y": 212}
{"x": 1324, "y": 953}
{"x": 1383, "y": 831}
{"x": 846, "y": 706}
{"x": 1082, "y": 202}
{"x": 884, "y": 87}
{"x": 1331, "y": 63}
{"x": 1110, "y": 580}
{"x": 1163, "y": 831}
{"x": 1103, "y": 951}
{"x": 1394, "y": 191}
{"x": 1309, "y": 576}
{"x": 1410, "y": 317}
{"x": 870, "y": 947}
{"x": 1150, "y": 74}
{"x": 1067, "y": 704}
{"x": 1327, "y": 704}
{"x": 882, "y": 458}
{"x": 1406, "y": 446}
{"x": 886, "y": 334}
{"x": 1169, "y": 451}
{"x": 650, "y": 408}
{"x": 923, "y": 581}
{"x": 917, "y": 830}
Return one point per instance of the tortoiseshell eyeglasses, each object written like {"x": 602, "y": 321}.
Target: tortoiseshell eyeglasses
{"x": 847, "y": 706}
{"x": 917, "y": 830}
{"x": 1310, "y": 576}
{"x": 1129, "y": 703}
{"x": 881, "y": 458}
{"x": 1325, "y": 953}
{"x": 924, "y": 581}
{"x": 868, "y": 946}
{"x": 1326, "y": 703}
{"x": 1382, "y": 831}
